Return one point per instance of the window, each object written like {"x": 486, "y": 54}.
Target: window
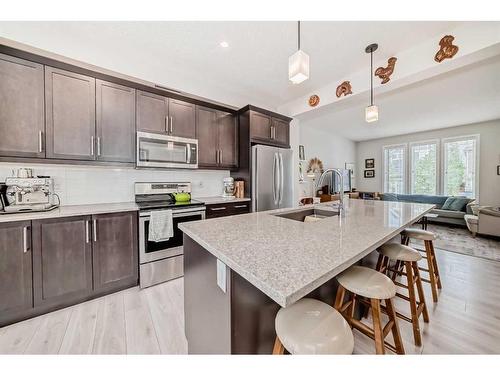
{"x": 395, "y": 169}
{"x": 459, "y": 165}
{"x": 423, "y": 165}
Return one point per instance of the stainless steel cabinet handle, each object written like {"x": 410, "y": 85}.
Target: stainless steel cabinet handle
{"x": 171, "y": 124}
{"x": 40, "y": 141}
{"x": 94, "y": 229}
{"x": 87, "y": 232}
{"x": 241, "y": 206}
{"x": 220, "y": 156}
{"x": 271, "y": 136}
{"x": 92, "y": 142}
{"x": 25, "y": 240}
{"x": 98, "y": 146}
{"x": 166, "y": 124}
{"x": 218, "y": 208}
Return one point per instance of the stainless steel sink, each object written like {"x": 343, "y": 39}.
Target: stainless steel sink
{"x": 312, "y": 213}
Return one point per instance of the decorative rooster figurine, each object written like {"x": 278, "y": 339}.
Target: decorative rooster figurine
{"x": 447, "y": 50}
{"x": 385, "y": 73}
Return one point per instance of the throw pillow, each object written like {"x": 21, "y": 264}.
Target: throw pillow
{"x": 455, "y": 204}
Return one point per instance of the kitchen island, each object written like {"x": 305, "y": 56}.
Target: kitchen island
{"x": 239, "y": 270}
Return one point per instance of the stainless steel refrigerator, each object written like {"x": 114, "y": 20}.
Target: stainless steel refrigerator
{"x": 272, "y": 185}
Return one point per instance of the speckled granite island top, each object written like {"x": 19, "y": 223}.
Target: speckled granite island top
{"x": 287, "y": 259}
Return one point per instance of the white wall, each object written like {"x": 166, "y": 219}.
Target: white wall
{"x": 333, "y": 150}
{"x": 489, "y": 158}
{"x": 88, "y": 185}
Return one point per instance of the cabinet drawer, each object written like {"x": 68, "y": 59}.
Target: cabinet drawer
{"x": 227, "y": 209}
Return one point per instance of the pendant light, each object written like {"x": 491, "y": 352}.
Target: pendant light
{"x": 298, "y": 64}
{"x": 371, "y": 112}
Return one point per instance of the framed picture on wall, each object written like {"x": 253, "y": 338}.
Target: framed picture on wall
{"x": 369, "y": 163}
{"x": 369, "y": 173}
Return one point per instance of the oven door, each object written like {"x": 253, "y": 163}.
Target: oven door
{"x": 150, "y": 251}
{"x": 164, "y": 151}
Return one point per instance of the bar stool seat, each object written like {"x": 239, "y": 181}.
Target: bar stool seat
{"x": 397, "y": 251}
{"x": 310, "y": 326}
{"x": 367, "y": 282}
{"x": 419, "y": 234}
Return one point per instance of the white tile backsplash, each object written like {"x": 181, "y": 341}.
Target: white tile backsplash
{"x": 94, "y": 184}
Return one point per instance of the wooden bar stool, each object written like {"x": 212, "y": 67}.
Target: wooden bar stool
{"x": 409, "y": 258}
{"x": 369, "y": 287}
{"x": 430, "y": 256}
{"x": 310, "y": 326}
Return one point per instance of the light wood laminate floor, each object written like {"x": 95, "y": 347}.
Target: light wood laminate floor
{"x": 466, "y": 320}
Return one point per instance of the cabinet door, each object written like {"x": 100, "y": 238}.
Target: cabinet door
{"x": 62, "y": 260}
{"x": 22, "y": 119}
{"x": 115, "y": 253}
{"x": 152, "y": 112}
{"x": 228, "y": 140}
{"x": 281, "y": 131}
{"x": 207, "y": 134}
{"x": 260, "y": 126}
{"x": 182, "y": 118}
{"x": 70, "y": 110}
{"x": 115, "y": 107}
{"x": 16, "y": 295}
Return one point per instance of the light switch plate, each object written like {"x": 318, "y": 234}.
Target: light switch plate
{"x": 221, "y": 275}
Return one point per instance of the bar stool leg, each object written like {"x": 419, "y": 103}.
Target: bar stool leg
{"x": 432, "y": 274}
{"x": 278, "y": 347}
{"x": 436, "y": 268}
{"x": 420, "y": 290}
{"x": 391, "y": 312}
{"x": 413, "y": 303}
{"x": 377, "y": 326}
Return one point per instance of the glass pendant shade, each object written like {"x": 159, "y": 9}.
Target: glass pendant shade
{"x": 298, "y": 67}
{"x": 371, "y": 113}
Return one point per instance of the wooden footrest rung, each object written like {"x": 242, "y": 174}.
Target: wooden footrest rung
{"x": 387, "y": 328}
{"x": 368, "y": 331}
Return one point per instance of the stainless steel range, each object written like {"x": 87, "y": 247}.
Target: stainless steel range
{"x": 163, "y": 261}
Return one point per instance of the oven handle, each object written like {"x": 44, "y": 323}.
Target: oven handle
{"x": 193, "y": 212}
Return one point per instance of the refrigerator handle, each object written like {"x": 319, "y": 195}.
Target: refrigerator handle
{"x": 282, "y": 178}
{"x": 275, "y": 200}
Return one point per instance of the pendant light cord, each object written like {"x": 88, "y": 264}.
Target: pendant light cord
{"x": 298, "y": 34}
{"x": 371, "y": 78}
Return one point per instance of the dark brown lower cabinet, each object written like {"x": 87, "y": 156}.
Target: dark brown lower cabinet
{"x": 53, "y": 263}
{"x": 62, "y": 260}
{"x": 16, "y": 290}
{"x": 227, "y": 209}
{"x": 115, "y": 254}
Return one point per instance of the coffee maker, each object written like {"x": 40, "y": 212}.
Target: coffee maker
{"x": 27, "y": 193}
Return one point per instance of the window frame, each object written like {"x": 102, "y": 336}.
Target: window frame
{"x": 435, "y": 141}
{"x": 405, "y": 166}
{"x": 476, "y": 138}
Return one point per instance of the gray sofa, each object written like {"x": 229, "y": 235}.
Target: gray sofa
{"x": 444, "y": 216}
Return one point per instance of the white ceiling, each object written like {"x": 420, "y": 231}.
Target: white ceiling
{"x": 254, "y": 69}
{"x": 468, "y": 95}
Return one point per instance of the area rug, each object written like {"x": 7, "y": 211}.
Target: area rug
{"x": 459, "y": 240}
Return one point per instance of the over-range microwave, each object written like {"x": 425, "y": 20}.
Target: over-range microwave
{"x": 165, "y": 151}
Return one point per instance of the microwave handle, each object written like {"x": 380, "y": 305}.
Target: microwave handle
{"x": 188, "y": 153}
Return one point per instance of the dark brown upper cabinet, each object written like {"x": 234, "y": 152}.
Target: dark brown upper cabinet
{"x": 62, "y": 260}
{"x": 115, "y": 253}
{"x": 207, "y": 134}
{"x": 217, "y": 139}
{"x": 115, "y": 123}
{"x": 152, "y": 112}
{"x": 70, "y": 115}
{"x": 22, "y": 118}
{"x": 159, "y": 114}
{"x": 182, "y": 118}
{"x": 267, "y": 127}
{"x": 16, "y": 292}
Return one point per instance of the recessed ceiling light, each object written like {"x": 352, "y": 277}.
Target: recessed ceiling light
{"x": 224, "y": 44}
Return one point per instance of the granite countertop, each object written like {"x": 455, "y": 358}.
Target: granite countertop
{"x": 219, "y": 200}
{"x": 287, "y": 259}
{"x": 66, "y": 211}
